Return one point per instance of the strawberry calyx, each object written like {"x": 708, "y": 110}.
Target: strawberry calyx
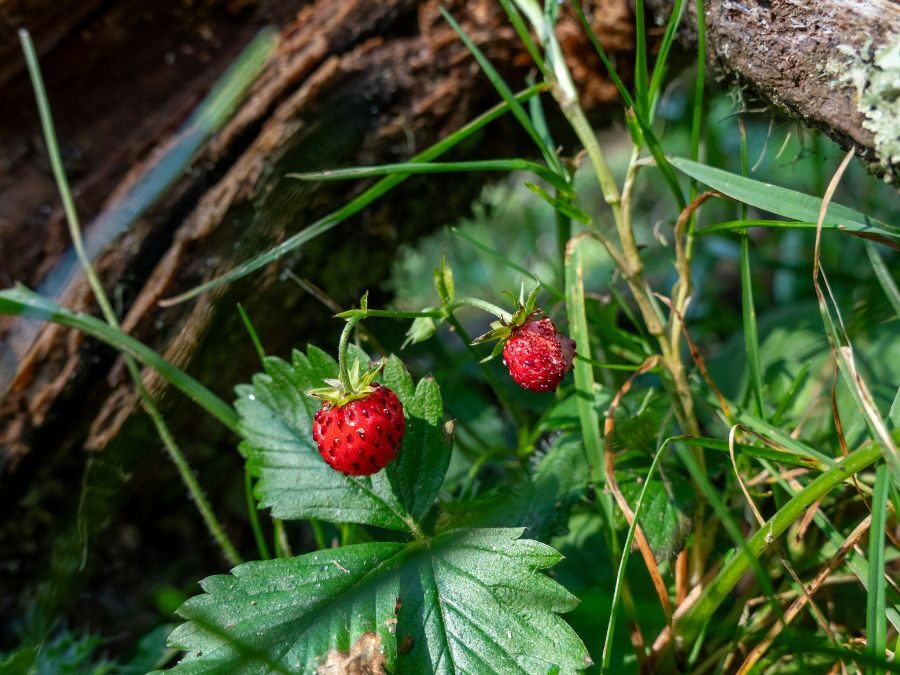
{"x": 358, "y": 386}
{"x": 502, "y": 330}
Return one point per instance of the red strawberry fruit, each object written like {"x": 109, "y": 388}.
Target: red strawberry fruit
{"x": 361, "y": 437}
{"x": 358, "y": 429}
{"x": 537, "y": 356}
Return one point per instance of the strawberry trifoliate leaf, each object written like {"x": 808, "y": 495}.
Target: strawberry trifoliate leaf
{"x": 418, "y": 470}
{"x": 465, "y": 601}
{"x": 477, "y": 604}
{"x": 294, "y": 481}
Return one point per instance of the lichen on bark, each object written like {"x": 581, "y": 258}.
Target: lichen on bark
{"x": 875, "y": 74}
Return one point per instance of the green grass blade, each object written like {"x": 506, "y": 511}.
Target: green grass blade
{"x": 604, "y": 58}
{"x": 22, "y": 302}
{"x": 743, "y": 549}
{"x": 689, "y": 624}
{"x": 640, "y": 60}
{"x": 515, "y": 18}
{"x": 662, "y": 58}
{"x": 738, "y": 225}
{"x": 788, "y": 397}
{"x": 417, "y": 168}
{"x": 583, "y": 371}
{"x": 884, "y": 277}
{"x": 251, "y": 331}
{"x": 112, "y": 321}
{"x": 507, "y": 94}
{"x": 784, "y": 202}
{"x": 751, "y": 336}
{"x": 699, "y": 88}
{"x": 757, "y": 451}
{"x": 876, "y": 600}
{"x": 355, "y": 205}
{"x": 857, "y": 563}
{"x": 623, "y": 562}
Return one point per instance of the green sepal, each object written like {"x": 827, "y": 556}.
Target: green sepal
{"x": 421, "y": 329}
{"x": 360, "y": 386}
{"x": 502, "y": 330}
{"x": 499, "y": 331}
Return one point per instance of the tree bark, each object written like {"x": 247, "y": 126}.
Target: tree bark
{"x": 832, "y": 64}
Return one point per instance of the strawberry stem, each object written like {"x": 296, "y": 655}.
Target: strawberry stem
{"x": 483, "y": 305}
{"x": 343, "y": 370}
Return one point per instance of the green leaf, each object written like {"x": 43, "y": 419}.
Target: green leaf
{"x": 477, "y": 604}
{"x": 294, "y": 481}
{"x": 541, "y": 503}
{"x": 784, "y": 202}
{"x": 668, "y": 505}
{"x": 468, "y": 601}
{"x": 418, "y": 471}
{"x": 289, "y": 613}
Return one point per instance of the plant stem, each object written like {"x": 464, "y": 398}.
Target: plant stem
{"x": 585, "y": 133}
{"x": 282, "y": 545}
{"x": 261, "y": 545}
{"x": 343, "y": 371}
{"x": 489, "y": 375}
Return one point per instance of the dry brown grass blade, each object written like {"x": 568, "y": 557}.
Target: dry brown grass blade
{"x": 609, "y": 455}
{"x": 681, "y": 577}
{"x": 682, "y": 290}
{"x": 817, "y": 613}
{"x": 843, "y": 353}
{"x": 807, "y": 519}
{"x": 810, "y": 589}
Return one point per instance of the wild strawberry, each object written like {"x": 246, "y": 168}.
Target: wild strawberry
{"x": 537, "y": 356}
{"x": 362, "y": 436}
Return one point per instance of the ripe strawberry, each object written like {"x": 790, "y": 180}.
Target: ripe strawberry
{"x": 360, "y": 436}
{"x": 537, "y": 356}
